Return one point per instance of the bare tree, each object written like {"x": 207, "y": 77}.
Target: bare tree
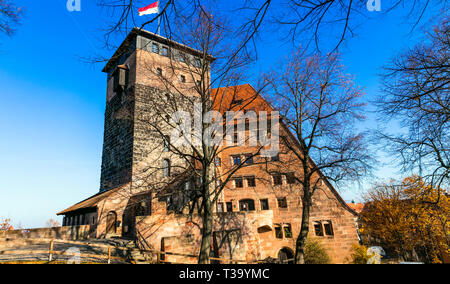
{"x": 416, "y": 87}
{"x": 10, "y": 16}
{"x": 123, "y": 15}
{"x": 315, "y": 19}
{"x": 202, "y": 88}
{"x": 319, "y": 105}
{"x": 52, "y": 223}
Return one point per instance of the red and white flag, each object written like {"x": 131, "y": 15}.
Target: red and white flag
{"x": 150, "y": 9}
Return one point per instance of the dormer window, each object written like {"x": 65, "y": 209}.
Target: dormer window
{"x": 237, "y": 102}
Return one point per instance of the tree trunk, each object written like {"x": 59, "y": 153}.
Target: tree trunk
{"x": 304, "y": 230}
{"x": 205, "y": 247}
{"x": 207, "y": 218}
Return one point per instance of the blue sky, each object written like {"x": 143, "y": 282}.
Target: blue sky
{"x": 52, "y": 104}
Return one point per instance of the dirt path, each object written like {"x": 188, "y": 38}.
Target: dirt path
{"x": 70, "y": 248}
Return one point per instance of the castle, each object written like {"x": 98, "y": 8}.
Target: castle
{"x": 256, "y": 217}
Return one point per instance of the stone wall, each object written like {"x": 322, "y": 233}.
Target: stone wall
{"x": 235, "y": 234}
{"x": 60, "y": 233}
{"x": 153, "y": 112}
{"x": 117, "y": 156}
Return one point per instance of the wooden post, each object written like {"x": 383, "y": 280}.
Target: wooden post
{"x": 109, "y": 255}
{"x": 158, "y": 257}
{"x": 50, "y": 255}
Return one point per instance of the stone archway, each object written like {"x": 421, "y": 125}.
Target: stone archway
{"x": 286, "y": 256}
{"x": 111, "y": 223}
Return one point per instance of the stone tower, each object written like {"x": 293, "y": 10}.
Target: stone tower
{"x": 133, "y": 86}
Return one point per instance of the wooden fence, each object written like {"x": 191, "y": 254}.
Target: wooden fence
{"x": 160, "y": 255}
{"x": 51, "y": 252}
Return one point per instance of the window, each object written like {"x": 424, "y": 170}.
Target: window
{"x": 166, "y": 144}
{"x": 277, "y": 179}
{"x": 229, "y": 206}
{"x": 144, "y": 43}
{"x": 220, "y": 207}
{"x": 328, "y": 228}
{"x": 166, "y": 167}
{"x": 238, "y": 183}
{"x": 235, "y": 139}
{"x": 155, "y": 48}
{"x": 247, "y": 205}
{"x": 120, "y": 76}
{"x": 169, "y": 203}
{"x": 165, "y": 51}
{"x": 251, "y": 182}
{"x": 197, "y": 63}
{"x": 275, "y": 158}
{"x": 159, "y": 71}
{"x": 278, "y": 232}
{"x": 249, "y": 159}
{"x": 288, "y": 231}
{"x": 236, "y": 160}
{"x": 290, "y": 178}
{"x": 318, "y": 228}
{"x": 183, "y": 79}
{"x": 181, "y": 57}
{"x": 142, "y": 208}
{"x": 264, "y": 204}
{"x": 282, "y": 202}
{"x": 218, "y": 162}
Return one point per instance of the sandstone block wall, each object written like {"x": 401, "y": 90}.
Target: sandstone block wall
{"x": 61, "y": 233}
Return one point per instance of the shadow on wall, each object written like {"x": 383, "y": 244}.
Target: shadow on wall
{"x": 180, "y": 233}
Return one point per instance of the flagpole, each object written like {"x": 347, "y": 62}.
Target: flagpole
{"x": 159, "y": 22}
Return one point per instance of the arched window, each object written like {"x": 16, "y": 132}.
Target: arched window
{"x": 247, "y": 205}
{"x": 166, "y": 167}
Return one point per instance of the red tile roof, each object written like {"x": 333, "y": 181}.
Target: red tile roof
{"x": 357, "y": 207}
{"x": 237, "y": 98}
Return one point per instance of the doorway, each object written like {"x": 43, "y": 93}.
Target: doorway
{"x": 286, "y": 256}
{"x": 111, "y": 223}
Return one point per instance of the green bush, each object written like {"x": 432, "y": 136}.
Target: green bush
{"x": 315, "y": 253}
{"x": 359, "y": 254}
